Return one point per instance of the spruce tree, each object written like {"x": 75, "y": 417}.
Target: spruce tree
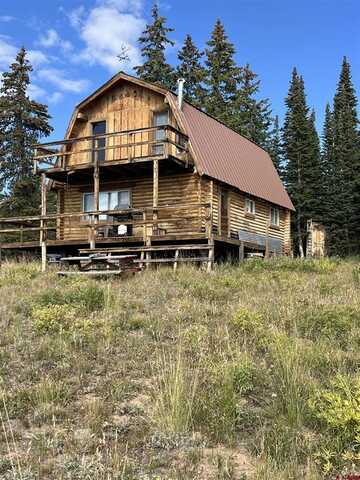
{"x": 345, "y": 221}
{"x": 301, "y": 157}
{"x": 154, "y": 41}
{"x": 252, "y": 117}
{"x": 274, "y": 146}
{"x": 22, "y": 122}
{"x": 222, "y": 76}
{"x": 314, "y": 185}
{"x": 191, "y": 70}
{"x": 328, "y": 172}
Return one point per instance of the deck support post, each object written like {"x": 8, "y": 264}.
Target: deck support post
{"x": 211, "y": 256}
{"x": 155, "y": 192}
{"x": 95, "y": 218}
{"x": 42, "y": 222}
{"x": 241, "y": 252}
{"x": 176, "y": 258}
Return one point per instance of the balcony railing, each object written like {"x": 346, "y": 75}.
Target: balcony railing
{"x": 148, "y": 222}
{"x": 112, "y": 148}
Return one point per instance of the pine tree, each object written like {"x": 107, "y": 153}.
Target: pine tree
{"x": 22, "y": 122}
{"x": 154, "y": 41}
{"x": 252, "y": 117}
{"x": 314, "y": 184}
{"x": 222, "y": 76}
{"x": 328, "y": 171}
{"x": 274, "y": 147}
{"x": 301, "y": 155}
{"x": 345, "y": 221}
{"x": 191, "y": 70}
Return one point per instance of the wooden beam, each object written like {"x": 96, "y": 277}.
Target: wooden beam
{"x": 43, "y": 233}
{"x": 241, "y": 252}
{"x": 155, "y": 191}
{"x": 211, "y": 255}
{"x": 95, "y": 218}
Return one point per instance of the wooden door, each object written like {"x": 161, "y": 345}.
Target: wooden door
{"x": 224, "y": 212}
{"x": 99, "y": 128}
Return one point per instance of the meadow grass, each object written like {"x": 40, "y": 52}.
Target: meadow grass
{"x": 251, "y": 372}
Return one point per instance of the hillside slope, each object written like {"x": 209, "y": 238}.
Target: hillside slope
{"x": 248, "y": 373}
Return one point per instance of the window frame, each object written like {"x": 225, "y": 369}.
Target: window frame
{"x": 155, "y": 150}
{"x": 252, "y": 211}
{"x": 101, "y": 217}
{"x": 275, "y": 210}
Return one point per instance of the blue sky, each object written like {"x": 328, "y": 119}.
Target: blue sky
{"x": 73, "y": 43}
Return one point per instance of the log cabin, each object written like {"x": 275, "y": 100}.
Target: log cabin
{"x": 141, "y": 170}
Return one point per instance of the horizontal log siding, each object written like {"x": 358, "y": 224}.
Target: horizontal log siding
{"x": 239, "y": 221}
{"x": 174, "y": 189}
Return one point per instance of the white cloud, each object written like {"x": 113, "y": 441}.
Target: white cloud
{"x": 107, "y": 29}
{"x": 53, "y": 39}
{"x": 125, "y": 6}
{"x": 37, "y": 58}
{"x": 35, "y": 92}
{"x": 6, "y": 18}
{"x": 58, "y": 78}
{"x": 7, "y": 52}
{"x": 75, "y": 16}
{"x": 55, "y": 97}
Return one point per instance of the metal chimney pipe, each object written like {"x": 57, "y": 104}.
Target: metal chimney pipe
{"x": 180, "y": 83}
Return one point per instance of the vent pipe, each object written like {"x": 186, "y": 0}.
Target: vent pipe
{"x": 180, "y": 82}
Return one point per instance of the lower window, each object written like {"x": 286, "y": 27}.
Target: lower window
{"x": 112, "y": 200}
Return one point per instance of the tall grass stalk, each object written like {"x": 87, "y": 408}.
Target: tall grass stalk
{"x": 17, "y": 472}
{"x": 174, "y": 393}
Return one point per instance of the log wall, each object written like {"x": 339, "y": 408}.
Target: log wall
{"x": 173, "y": 190}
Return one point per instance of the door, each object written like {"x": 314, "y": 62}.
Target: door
{"x": 224, "y": 212}
{"x": 99, "y": 128}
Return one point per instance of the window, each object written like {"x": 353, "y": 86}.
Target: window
{"x": 114, "y": 200}
{"x": 250, "y": 206}
{"x": 99, "y": 128}
{"x": 274, "y": 216}
{"x": 160, "y": 119}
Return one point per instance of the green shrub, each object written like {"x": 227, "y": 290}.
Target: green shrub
{"x": 89, "y": 297}
{"x": 337, "y": 413}
{"x": 244, "y": 374}
{"x": 330, "y": 322}
{"x": 323, "y": 265}
{"x": 356, "y": 275}
{"x": 53, "y": 318}
{"x": 247, "y": 322}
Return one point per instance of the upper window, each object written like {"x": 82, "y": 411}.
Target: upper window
{"x": 99, "y": 144}
{"x": 160, "y": 119}
{"x": 113, "y": 200}
{"x": 250, "y": 206}
{"x": 275, "y": 216}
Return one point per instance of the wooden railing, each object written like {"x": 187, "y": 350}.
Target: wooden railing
{"x": 111, "y": 148}
{"x": 151, "y": 221}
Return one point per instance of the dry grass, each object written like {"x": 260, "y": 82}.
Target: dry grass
{"x": 181, "y": 376}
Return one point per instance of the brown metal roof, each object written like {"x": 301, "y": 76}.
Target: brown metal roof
{"x": 225, "y": 155}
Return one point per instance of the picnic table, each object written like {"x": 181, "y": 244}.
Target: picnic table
{"x": 100, "y": 264}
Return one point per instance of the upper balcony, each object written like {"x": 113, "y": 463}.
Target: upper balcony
{"x": 116, "y": 148}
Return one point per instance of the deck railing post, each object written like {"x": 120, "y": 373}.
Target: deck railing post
{"x": 43, "y": 223}
{"x": 155, "y": 192}
{"x": 96, "y": 198}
